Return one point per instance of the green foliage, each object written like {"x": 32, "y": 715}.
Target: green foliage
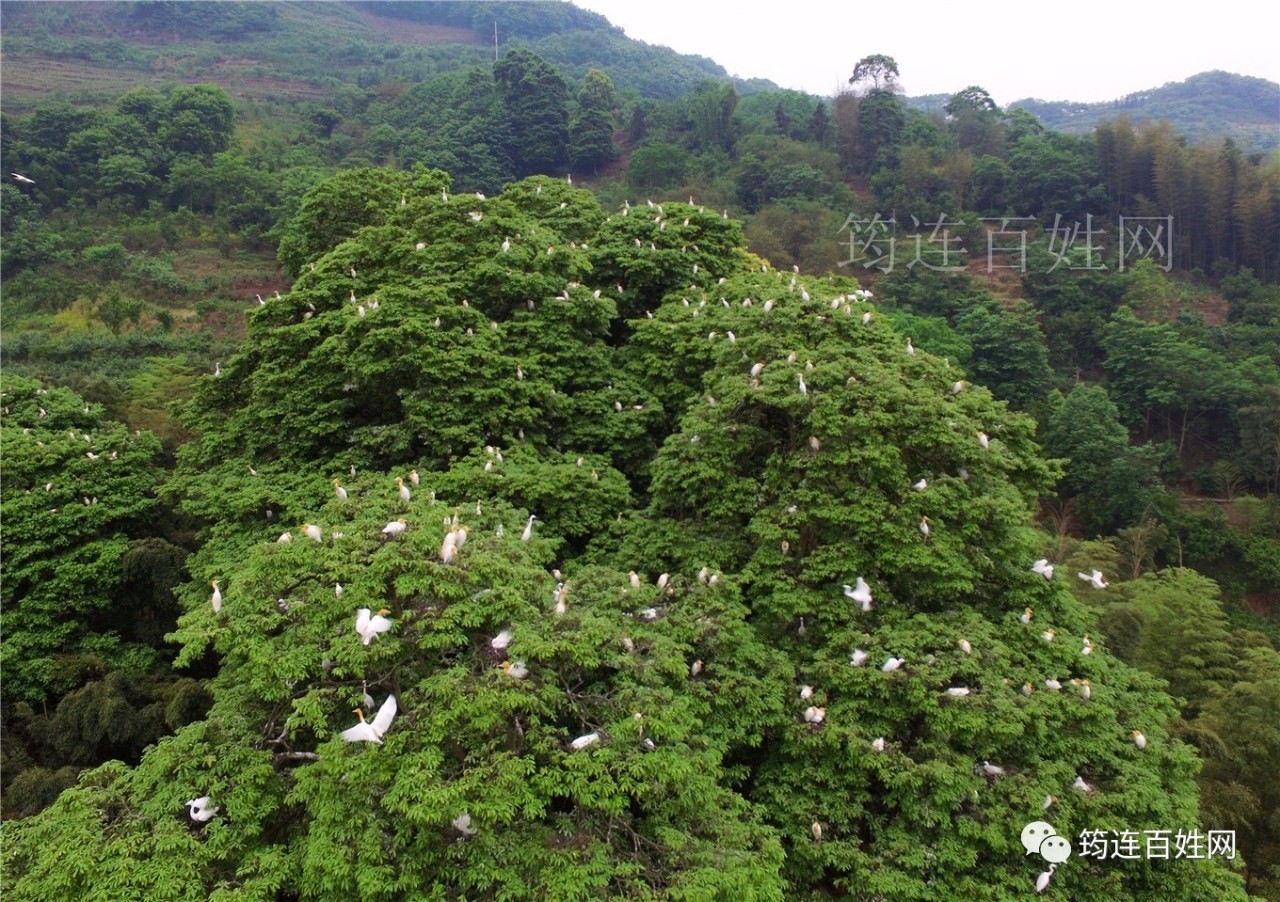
{"x": 537, "y": 103}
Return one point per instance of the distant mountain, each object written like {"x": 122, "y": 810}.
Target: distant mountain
{"x": 1204, "y": 107}
{"x": 92, "y": 52}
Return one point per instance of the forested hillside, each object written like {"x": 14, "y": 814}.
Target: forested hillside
{"x": 570, "y": 476}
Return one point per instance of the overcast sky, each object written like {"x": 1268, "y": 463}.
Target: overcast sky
{"x": 1084, "y": 50}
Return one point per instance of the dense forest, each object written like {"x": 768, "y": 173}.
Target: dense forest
{"x": 686, "y": 488}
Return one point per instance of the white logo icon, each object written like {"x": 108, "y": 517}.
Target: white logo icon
{"x": 1040, "y": 836}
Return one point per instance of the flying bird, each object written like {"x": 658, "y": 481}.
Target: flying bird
{"x": 1043, "y": 567}
{"x": 368, "y": 627}
{"x": 22, "y": 178}
{"x": 1094, "y": 579}
{"x": 373, "y": 731}
{"x": 861, "y": 594}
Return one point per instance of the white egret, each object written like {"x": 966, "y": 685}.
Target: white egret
{"x": 339, "y": 491}
{"x": 368, "y": 627}
{"x": 757, "y": 369}
{"x": 1094, "y": 579}
{"x": 806, "y": 692}
{"x": 1048, "y": 634}
{"x": 878, "y": 743}
{"x": 462, "y": 823}
{"x": 858, "y": 657}
{"x": 501, "y": 641}
{"x": 200, "y": 810}
{"x": 1081, "y": 785}
{"x": 804, "y": 389}
{"x": 634, "y": 578}
{"x": 891, "y": 664}
{"x": 957, "y": 387}
{"x": 965, "y": 646}
{"x": 285, "y": 538}
{"x": 958, "y": 691}
{"x": 816, "y": 829}
{"x": 1027, "y": 689}
{"x": 861, "y": 594}
{"x": 373, "y": 731}
{"x": 1026, "y": 615}
{"x": 1042, "y": 882}
{"x": 911, "y": 349}
{"x": 395, "y": 527}
{"x": 528, "y": 529}
{"x": 506, "y": 245}
{"x": 449, "y": 547}
{"x": 312, "y": 532}
{"x": 216, "y": 598}
{"x": 1086, "y": 690}
{"x": 1053, "y": 684}
{"x": 992, "y": 770}
{"x": 18, "y": 177}
{"x": 403, "y": 490}
{"x": 1088, "y": 645}
{"x": 1139, "y": 740}
{"x": 663, "y": 579}
{"x": 414, "y": 477}
{"x": 1048, "y": 801}
{"x": 866, "y": 318}
{"x": 924, "y": 528}
{"x": 337, "y": 589}
{"x": 515, "y": 669}
{"x": 583, "y": 742}
{"x": 814, "y": 443}
{"x": 815, "y": 715}
{"x": 695, "y": 668}
{"x": 921, "y": 485}
{"x": 1043, "y": 567}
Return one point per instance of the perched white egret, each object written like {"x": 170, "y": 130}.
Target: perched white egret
{"x": 806, "y": 692}
{"x": 911, "y": 349}
{"x": 1042, "y": 882}
{"x": 695, "y": 668}
{"x": 449, "y": 547}
{"x": 815, "y": 444}
{"x": 663, "y": 579}
{"x": 1086, "y": 690}
{"x": 815, "y": 715}
{"x": 414, "y": 477}
{"x": 337, "y": 589}
{"x": 958, "y": 691}
{"x": 757, "y": 369}
{"x": 200, "y": 810}
{"x": 992, "y": 770}
{"x": 1048, "y": 801}
{"x": 866, "y": 318}
{"x": 506, "y": 245}
{"x": 528, "y": 529}
{"x": 858, "y": 658}
{"x": 1094, "y": 579}
{"x": 462, "y": 823}
{"x": 515, "y": 669}
{"x": 1027, "y": 689}
{"x": 312, "y": 532}
{"x": 891, "y": 664}
{"x": 501, "y": 641}
{"x": 1053, "y": 684}
{"x": 1081, "y": 785}
{"x": 957, "y": 387}
{"x": 373, "y": 731}
{"x": 217, "y": 368}
{"x": 1048, "y": 634}
{"x": 1139, "y": 740}
{"x": 804, "y": 389}
{"x": 924, "y": 528}
{"x": 984, "y": 441}
{"x": 1043, "y": 567}
{"x": 583, "y": 742}
{"x": 339, "y": 491}
{"x": 816, "y": 829}
{"x": 403, "y": 490}
{"x": 285, "y": 538}
{"x": 634, "y": 578}
{"x": 1087, "y": 649}
{"x": 395, "y": 527}
{"x": 368, "y": 627}
{"x": 878, "y": 743}
{"x": 965, "y": 646}
{"x": 1026, "y": 615}
{"x": 216, "y": 598}
{"x": 861, "y": 594}
{"x": 921, "y": 485}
